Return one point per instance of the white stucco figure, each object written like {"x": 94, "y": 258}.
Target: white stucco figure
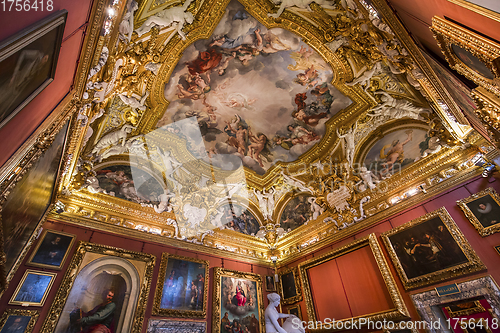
{"x": 433, "y": 146}
{"x": 304, "y": 4}
{"x": 170, "y": 166}
{"x": 262, "y": 200}
{"x": 126, "y": 27}
{"x": 270, "y": 201}
{"x": 316, "y": 209}
{"x": 164, "y": 204}
{"x": 167, "y": 17}
{"x": 102, "y": 61}
{"x": 271, "y": 315}
{"x": 113, "y": 138}
{"x": 349, "y": 143}
{"x": 194, "y": 215}
{"x": 395, "y": 108}
{"x": 364, "y": 79}
{"x": 368, "y": 179}
{"x": 92, "y": 184}
{"x": 293, "y": 182}
{"x": 134, "y": 102}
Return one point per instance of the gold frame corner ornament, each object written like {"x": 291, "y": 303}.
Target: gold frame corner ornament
{"x": 296, "y": 281}
{"x": 482, "y": 230}
{"x": 157, "y": 310}
{"x": 34, "y": 314}
{"x": 399, "y": 312}
{"x": 473, "y": 264}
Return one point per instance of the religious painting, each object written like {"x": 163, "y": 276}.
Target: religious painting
{"x": 395, "y": 151}
{"x": 289, "y": 286}
{"x": 430, "y": 249}
{"x": 235, "y": 217}
{"x": 261, "y": 95}
{"x": 129, "y": 183}
{"x": 33, "y": 288}
{"x": 52, "y": 250}
{"x": 182, "y": 287}
{"x": 298, "y": 211}
{"x": 28, "y": 202}
{"x": 108, "y": 289}
{"x": 270, "y": 283}
{"x": 176, "y": 326}
{"x": 472, "y": 62}
{"x": 237, "y": 302}
{"x": 483, "y": 211}
{"x": 18, "y": 321}
{"x": 28, "y": 63}
{"x": 295, "y": 310}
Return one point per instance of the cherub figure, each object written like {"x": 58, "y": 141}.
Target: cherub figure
{"x": 167, "y": 17}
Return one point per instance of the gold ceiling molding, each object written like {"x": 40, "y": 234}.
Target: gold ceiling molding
{"x": 477, "y": 9}
{"x": 488, "y": 111}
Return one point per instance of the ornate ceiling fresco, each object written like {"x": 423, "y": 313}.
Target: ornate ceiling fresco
{"x": 258, "y": 128}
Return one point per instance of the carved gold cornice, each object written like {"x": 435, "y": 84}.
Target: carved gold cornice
{"x": 488, "y": 111}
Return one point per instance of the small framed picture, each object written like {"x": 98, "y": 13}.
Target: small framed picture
{"x": 52, "y": 250}
{"x": 295, "y": 310}
{"x": 290, "y": 288}
{"x": 270, "y": 283}
{"x": 17, "y": 320}
{"x": 483, "y": 211}
{"x": 33, "y": 288}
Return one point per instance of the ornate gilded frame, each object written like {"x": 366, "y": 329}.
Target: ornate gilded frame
{"x": 296, "y": 281}
{"x": 75, "y": 267}
{"x": 217, "y": 288}
{"x": 176, "y": 326}
{"x": 399, "y": 312}
{"x": 35, "y": 250}
{"x": 483, "y": 231}
{"x": 296, "y": 306}
{"x": 21, "y": 283}
{"x": 473, "y": 263}
{"x": 20, "y": 312}
{"x": 476, "y": 309}
{"x": 487, "y": 51}
{"x": 157, "y": 310}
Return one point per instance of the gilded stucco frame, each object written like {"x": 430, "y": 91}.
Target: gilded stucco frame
{"x": 157, "y": 310}
{"x": 473, "y": 263}
{"x": 220, "y": 272}
{"x": 296, "y": 281}
{"x": 399, "y": 312}
{"x": 448, "y": 34}
{"x": 483, "y": 231}
{"x": 20, "y": 312}
{"x": 74, "y": 269}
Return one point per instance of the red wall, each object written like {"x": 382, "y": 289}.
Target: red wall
{"x": 14, "y": 133}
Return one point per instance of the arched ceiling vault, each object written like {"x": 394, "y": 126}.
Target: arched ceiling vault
{"x": 258, "y": 128}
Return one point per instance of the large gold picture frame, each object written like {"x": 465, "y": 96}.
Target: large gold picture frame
{"x": 14, "y": 318}
{"x": 289, "y": 286}
{"x": 226, "y": 282}
{"x": 94, "y": 272}
{"x": 470, "y": 54}
{"x": 178, "y": 276}
{"x": 434, "y": 232}
{"x": 483, "y": 211}
{"x": 399, "y": 312}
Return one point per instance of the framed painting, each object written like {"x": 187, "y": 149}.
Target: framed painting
{"x": 295, "y": 310}
{"x": 483, "y": 211}
{"x": 430, "y": 249}
{"x": 497, "y": 248}
{"x": 469, "y": 53}
{"x": 182, "y": 287}
{"x": 289, "y": 286}
{"x": 270, "y": 286}
{"x": 33, "y": 288}
{"x": 27, "y": 204}
{"x": 52, "y": 250}
{"x": 103, "y": 285}
{"x": 176, "y": 326}
{"x": 237, "y": 302}
{"x": 17, "y": 320}
{"x": 465, "y": 309}
{"x": 28, "y": 63}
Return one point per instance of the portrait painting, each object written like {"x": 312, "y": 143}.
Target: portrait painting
{"x": 270, "y": 283}
{"x": 295, "y": 310}
{"x": 395, "y": 151}
{"x": 27, "y": 204}
{"x": 176, "y": 326}
{"x": 52, "y": 249}
{"x": 472, "y": 62}
{"x": 28, "y": 63}
{"x": 107, "y": 292}
{"x": 33, "y": 288}
{"x": 429, "y": 249}
{"x": 297, "y": 212}
{"x": 483, "y": 211}
{"x": 18, "y": 321}
{"x": 238, "y": 303}
{"x": 260, "y": 95}
{"x": 235, "y": 217}
{"x": 182, "y": 287}
{"x": 290, "y": 288}
{"x": 130, "y": 183}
